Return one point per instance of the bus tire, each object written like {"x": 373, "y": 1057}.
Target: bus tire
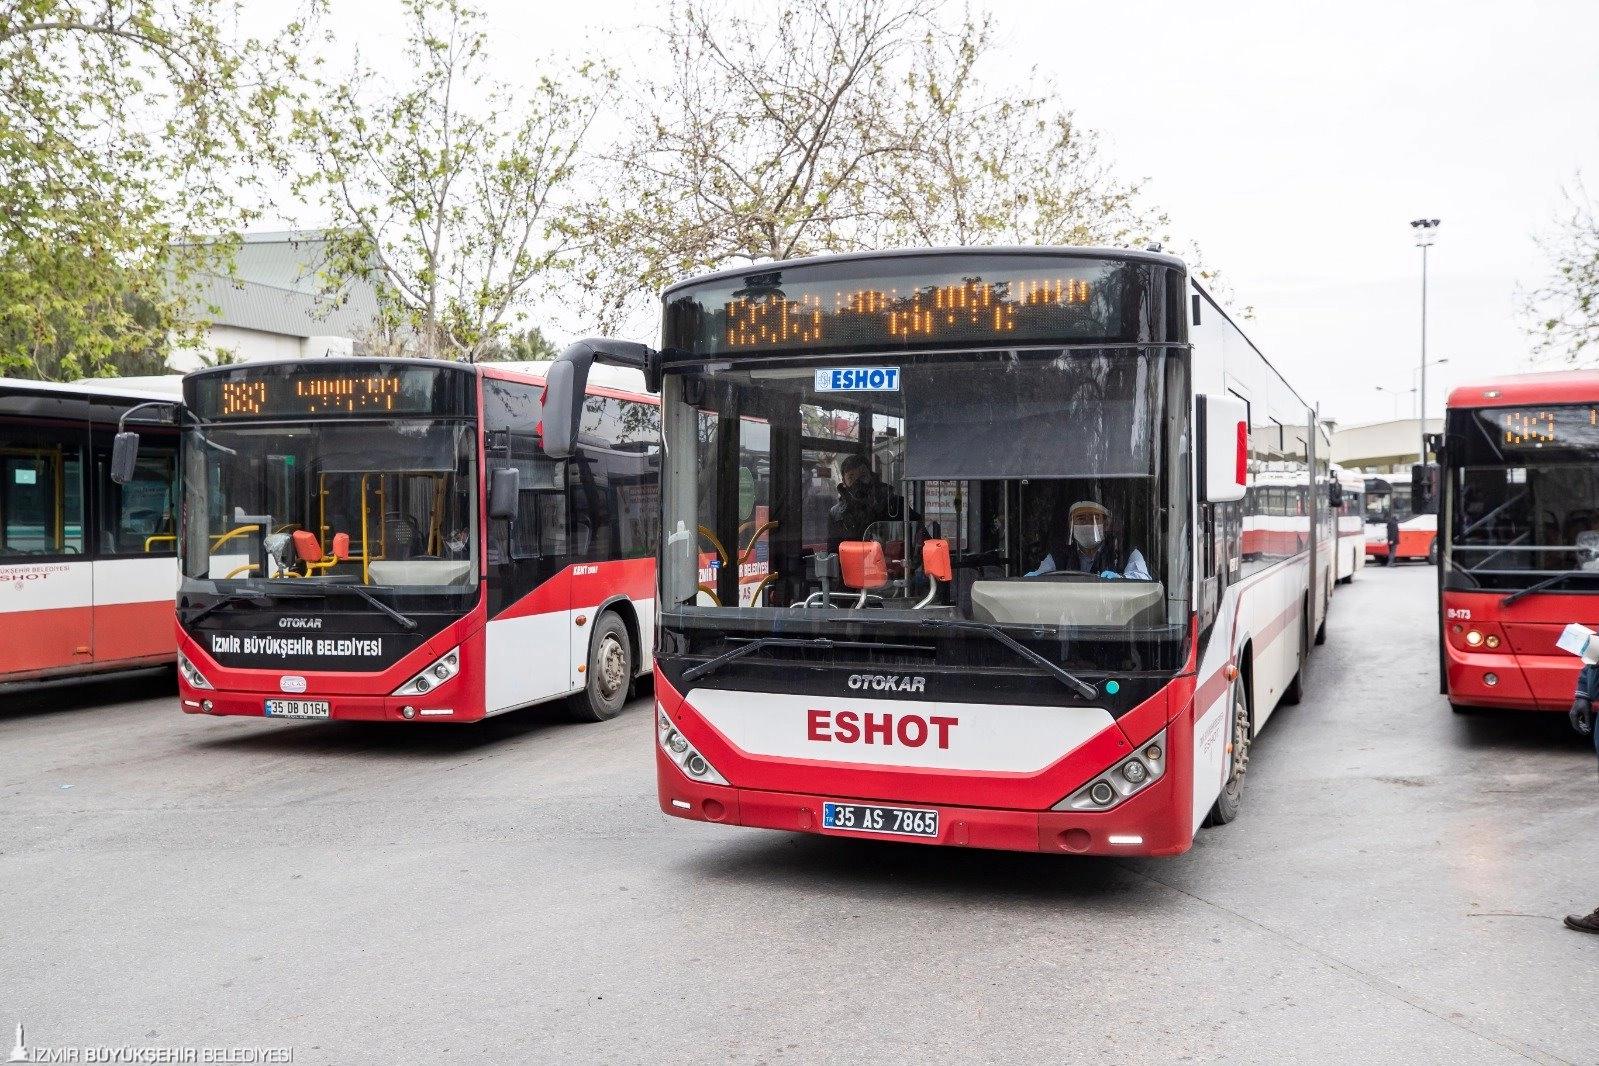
{"x": 1225, "y": 809}
{"x": 1432, "y": 552}
{"x": 609, "y": 676}
{"x": 1321, "y": 632}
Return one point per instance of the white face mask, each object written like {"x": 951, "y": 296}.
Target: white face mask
{"x": 1088, "y": 535}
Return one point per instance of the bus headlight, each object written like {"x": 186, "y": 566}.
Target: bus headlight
{"x": 436, "y": 673}
{"x": 1127, "y": 778}
{"x": 1473, "y": 637}
{"x": 682, "y": 753}
{"x": 191, "y": 674}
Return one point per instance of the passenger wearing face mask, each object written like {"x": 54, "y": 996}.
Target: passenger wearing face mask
{"x": 1090, "y": 549}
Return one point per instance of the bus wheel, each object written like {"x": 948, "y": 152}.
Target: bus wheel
{"x": 1321, "y": 632}
{"x": 1226, "y": 806}
{"x": 609, "y": 674}
{"x": 1432, "y": 551}
{"x": 1296, "y": 686}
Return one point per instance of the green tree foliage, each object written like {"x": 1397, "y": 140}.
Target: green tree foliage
{"x": 1565, "y": 308}
{"x": 836, "y": 125}
{"x": 526, "y": 346}
{"x": 125, "y": 126}
{"x": 446, "y": 190}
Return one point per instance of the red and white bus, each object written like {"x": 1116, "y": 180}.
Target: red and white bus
{"x": 1351, "y": 520}
{"x": 384, "y": 539}
{"x": 1418, "y": 520}
{"x": 925, "y": 661}
{"x": 1520, "y": 537}
{"x": 86, "y": 565}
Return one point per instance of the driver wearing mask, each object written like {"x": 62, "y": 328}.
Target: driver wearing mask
{"x": 1090, "y": 548}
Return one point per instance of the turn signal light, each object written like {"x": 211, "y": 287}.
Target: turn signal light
{"x": 1473, "y": 637}
{"x": 1492, "y": 641}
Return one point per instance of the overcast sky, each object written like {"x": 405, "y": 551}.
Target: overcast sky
{"x": 1293, "y": 143}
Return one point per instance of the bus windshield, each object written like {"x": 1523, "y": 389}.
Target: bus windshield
{"x": 387, "y": 504}
{"x": 1525, "y": 496}
{"x": 1052, "y": 474}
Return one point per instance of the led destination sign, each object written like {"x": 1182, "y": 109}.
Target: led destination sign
{"x": 1547, "y": 427}
{"x": 917, "y": 302}
{"x": 369, "y": 388}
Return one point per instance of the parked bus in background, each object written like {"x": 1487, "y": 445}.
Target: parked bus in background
{"x": 1417, "y": 512}
{"x": 384, "y": 539}
{"x": 86, "y": 565}
{"x": 1350, "y": 516}
{"x": 1520, "y": 537}
{"x": 1026, "y": 622}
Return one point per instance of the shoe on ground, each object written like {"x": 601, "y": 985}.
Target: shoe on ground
{"x": 1587, "y": 923}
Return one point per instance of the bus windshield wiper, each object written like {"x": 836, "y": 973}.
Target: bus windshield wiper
{"x": 408, "y": 623}
{"x": 1071, "y": 681}
{"x": 216, "y": 605}
{"x": 820, "y": 643}
{"x": 1548, "y": 582}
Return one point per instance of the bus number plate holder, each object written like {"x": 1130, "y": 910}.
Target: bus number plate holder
{"x": 298, "y": 708}
{"x": 865, "y": 818}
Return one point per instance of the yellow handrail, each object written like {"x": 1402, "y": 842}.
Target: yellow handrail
{"x": 173, "y": 537}
{"x": 237, "y": 570}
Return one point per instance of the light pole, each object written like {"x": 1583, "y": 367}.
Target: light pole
{"x": 1395, "y": 394}
{"x": 1426, "y": 230}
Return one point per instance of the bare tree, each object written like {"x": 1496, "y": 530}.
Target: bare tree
{"x": 836, "y": 125}
{"x": 1565, "y": 308}
{"x": 447, "y": 190}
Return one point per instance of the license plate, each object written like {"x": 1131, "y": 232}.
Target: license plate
{"x": 860, "y": 818}
{"x": 298, "y": 708}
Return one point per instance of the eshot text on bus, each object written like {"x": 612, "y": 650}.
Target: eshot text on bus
{"x": 1519, "y": 525}
{"x": 386, "y": 540}
{"x": 953, "y": 548}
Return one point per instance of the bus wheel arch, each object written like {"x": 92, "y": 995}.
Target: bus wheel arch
{"x": 609, "y": 669}
{"x": 1241, "y": 735}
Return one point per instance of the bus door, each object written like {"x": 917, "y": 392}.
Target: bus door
{"x": 48, "y": 594}
{"x": 133, "y": 551}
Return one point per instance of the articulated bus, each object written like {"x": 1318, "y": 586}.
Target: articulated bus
{"x": 938, "y": 441}
{"x": 87, "y": 565}
{"x": 1520, "y": 532}
{"x": 1418, "y": 526}
{"x": 1350, "y": 515}
{"x": 384, "y": 539}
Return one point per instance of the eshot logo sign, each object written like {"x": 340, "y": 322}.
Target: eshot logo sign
{"x": 858, "y": 379}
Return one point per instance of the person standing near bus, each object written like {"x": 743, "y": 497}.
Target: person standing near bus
{"x": 1393, "y": 536}
{"x": 1582, "y": 720}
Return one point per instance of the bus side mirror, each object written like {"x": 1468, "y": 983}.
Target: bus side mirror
{"x": 1223, "y": 436}
{"x": 124, "y": 456}
{"x": 680, "y": 568}
{"x": 504, "y": 488}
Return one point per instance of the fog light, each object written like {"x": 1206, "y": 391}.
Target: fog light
{"x": 407, "y": 712}
{"x": 696, "y": 765}
{"x": 1102, "y": 793}
{"x": 205, "y": 705}
{"x": 441, "y": 671}
{"x": 1490, "y": 680}
{"x": 422, "y": 684}
{"x": 1492, "y": 641}
{"x": 1134, "y": 772}
{"x": 1153, "y": 753}
{"x": 1473, "y": 638}
{"x": 675, "y": 741}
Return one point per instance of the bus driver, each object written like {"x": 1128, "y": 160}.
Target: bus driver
{"x": 1090, "y": 548}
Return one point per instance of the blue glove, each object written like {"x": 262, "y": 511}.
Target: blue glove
{"x": 1031, "y": 573}
{"x": 1110, "y": 575}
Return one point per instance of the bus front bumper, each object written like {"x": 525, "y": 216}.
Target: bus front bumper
{"x": 1143, "y": 825}
{"x": 340, "y": 707}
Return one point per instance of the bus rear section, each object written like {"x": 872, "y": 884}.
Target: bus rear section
{"x": 386, "y": 541}
{"x": 87, "y": 565}
{"x": 1520, "y": 476}
{"x": 1350, "y": 520}
{"x": 997, "y": 607}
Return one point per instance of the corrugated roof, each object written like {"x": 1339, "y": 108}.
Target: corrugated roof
{"x": 285, "y": 311}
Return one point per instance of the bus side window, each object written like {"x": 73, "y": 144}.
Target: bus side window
{"x": 138, "y": 518}
{"x": 41, "y": 494}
